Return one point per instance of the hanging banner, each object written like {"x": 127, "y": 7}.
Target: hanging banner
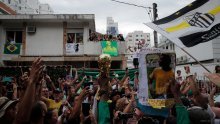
{"x": 72, "y": 48}
{"x": 110, "y": 47}
{"x": 148, "y": 63}
{"x": 12, "y": 48}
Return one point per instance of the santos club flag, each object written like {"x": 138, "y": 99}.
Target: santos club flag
{"x": 194, "y": 24}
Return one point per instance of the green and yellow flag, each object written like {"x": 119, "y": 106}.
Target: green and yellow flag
{"x": 12, "y": 48}
{"x": 110, "y": 47}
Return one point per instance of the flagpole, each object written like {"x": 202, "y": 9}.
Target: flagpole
{"x": 195, "y": 60}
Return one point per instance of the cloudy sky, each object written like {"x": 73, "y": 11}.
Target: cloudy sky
{"x": 129, "y": 18}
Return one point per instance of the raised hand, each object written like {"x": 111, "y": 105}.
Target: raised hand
{"x": 36, "y": 71}
{"x": 47, "y": 78}
{"x": 84, "y": 93}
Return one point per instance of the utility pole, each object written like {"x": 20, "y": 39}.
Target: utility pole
{"x": 155, "y": 15}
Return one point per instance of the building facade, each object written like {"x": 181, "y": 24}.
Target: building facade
{"x": 59, "y": 39}
{"x": 28, "y": 6}
{"x": 136, "y": 39}
{"x": 112, "y": 26}
{"x": 5, "y": 9}
{"x": 207, "y": 53}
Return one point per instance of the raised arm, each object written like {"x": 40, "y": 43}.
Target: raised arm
{"x": 76, "y": 76}
{"x": 27, "y": 102}
{"x": 48, "y": 79}
{"x": 182, "y": 114}
{"x": 80, "y": 84}
{"x": 77, "y": 106}
{"x": 124, "y": 78}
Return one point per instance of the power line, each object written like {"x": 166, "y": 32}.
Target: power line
{"x": 131, "y": 4}
{"x": 148, "y": 9}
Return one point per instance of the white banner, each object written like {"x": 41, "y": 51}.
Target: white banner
{"x": 196, "y": 23}
{"x": 72, "y": 48}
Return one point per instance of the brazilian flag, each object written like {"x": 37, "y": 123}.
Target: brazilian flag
{"x": 12, "y": 48}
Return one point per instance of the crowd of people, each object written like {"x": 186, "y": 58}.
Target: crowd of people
{"x": 100, "y": 37}
{"x": 34, "y": 98}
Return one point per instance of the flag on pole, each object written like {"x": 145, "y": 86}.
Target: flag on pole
{"x": 196, "y": 23}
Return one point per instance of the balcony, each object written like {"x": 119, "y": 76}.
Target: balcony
{"x": 92, "y": 48}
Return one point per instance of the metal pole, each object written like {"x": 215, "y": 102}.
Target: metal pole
{"x": 154, "y": 19}
{"x": 195, "y": 60}
{"x": 155, "y": 39}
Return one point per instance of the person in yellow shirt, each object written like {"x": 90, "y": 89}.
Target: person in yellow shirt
{"x": 162, "y": 76}
{"x": 54, "y": 103}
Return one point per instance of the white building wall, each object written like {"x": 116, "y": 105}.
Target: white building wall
{"x": 48, "y": 40}
{"x": 131, "y": 40}
{"x": 27, "y": 6}
{"x": 34, "y": 4}
{"x": 216, "y": 48}
{"x": 45, "y": 9}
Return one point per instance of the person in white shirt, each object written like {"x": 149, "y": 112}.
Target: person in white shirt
{"x": 135, "y": 56}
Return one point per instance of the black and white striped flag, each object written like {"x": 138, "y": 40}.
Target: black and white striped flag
{"x": 196, "y": 23}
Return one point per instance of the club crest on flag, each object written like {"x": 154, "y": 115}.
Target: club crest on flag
{"x": 200, "y": 20}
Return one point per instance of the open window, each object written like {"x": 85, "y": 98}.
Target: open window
{"x": 14, "y": 36}
{"x": 75, "y": 38}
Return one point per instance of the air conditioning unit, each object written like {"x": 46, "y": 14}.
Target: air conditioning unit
{"x": 31, "y": 29}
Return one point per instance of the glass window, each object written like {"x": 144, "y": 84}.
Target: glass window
{"x": 136, "y": 35}
{"x": 9, "y": 1}
{"x": 14, "y": 36}
{"x": 136, "y": 39}
{"x": 75, "y": 38}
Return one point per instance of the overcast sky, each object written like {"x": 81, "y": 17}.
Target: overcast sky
{"x": 129, "y": 18}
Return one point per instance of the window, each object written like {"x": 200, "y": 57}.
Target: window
{"x": 136, "y": 39}
{"x": 9, "y": 1}
{"x": 136, "y": 35}
{"x": 19, "y": 7}
{"x": 141, "y": 35}
{"x": 130, "y": 40}
{"x": 19, "y": 1}
{"x": 14, "y": 36}
{"x": 75, "y": 38}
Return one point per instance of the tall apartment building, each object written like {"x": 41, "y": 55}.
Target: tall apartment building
{"x": 136, "y": 39}
{"x": 28, "y": 6}
{"x": 112, "y": 26}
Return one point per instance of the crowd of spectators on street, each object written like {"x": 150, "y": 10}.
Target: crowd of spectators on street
{"x": 100, "y": 37}
{"x": 34, "y": 98}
